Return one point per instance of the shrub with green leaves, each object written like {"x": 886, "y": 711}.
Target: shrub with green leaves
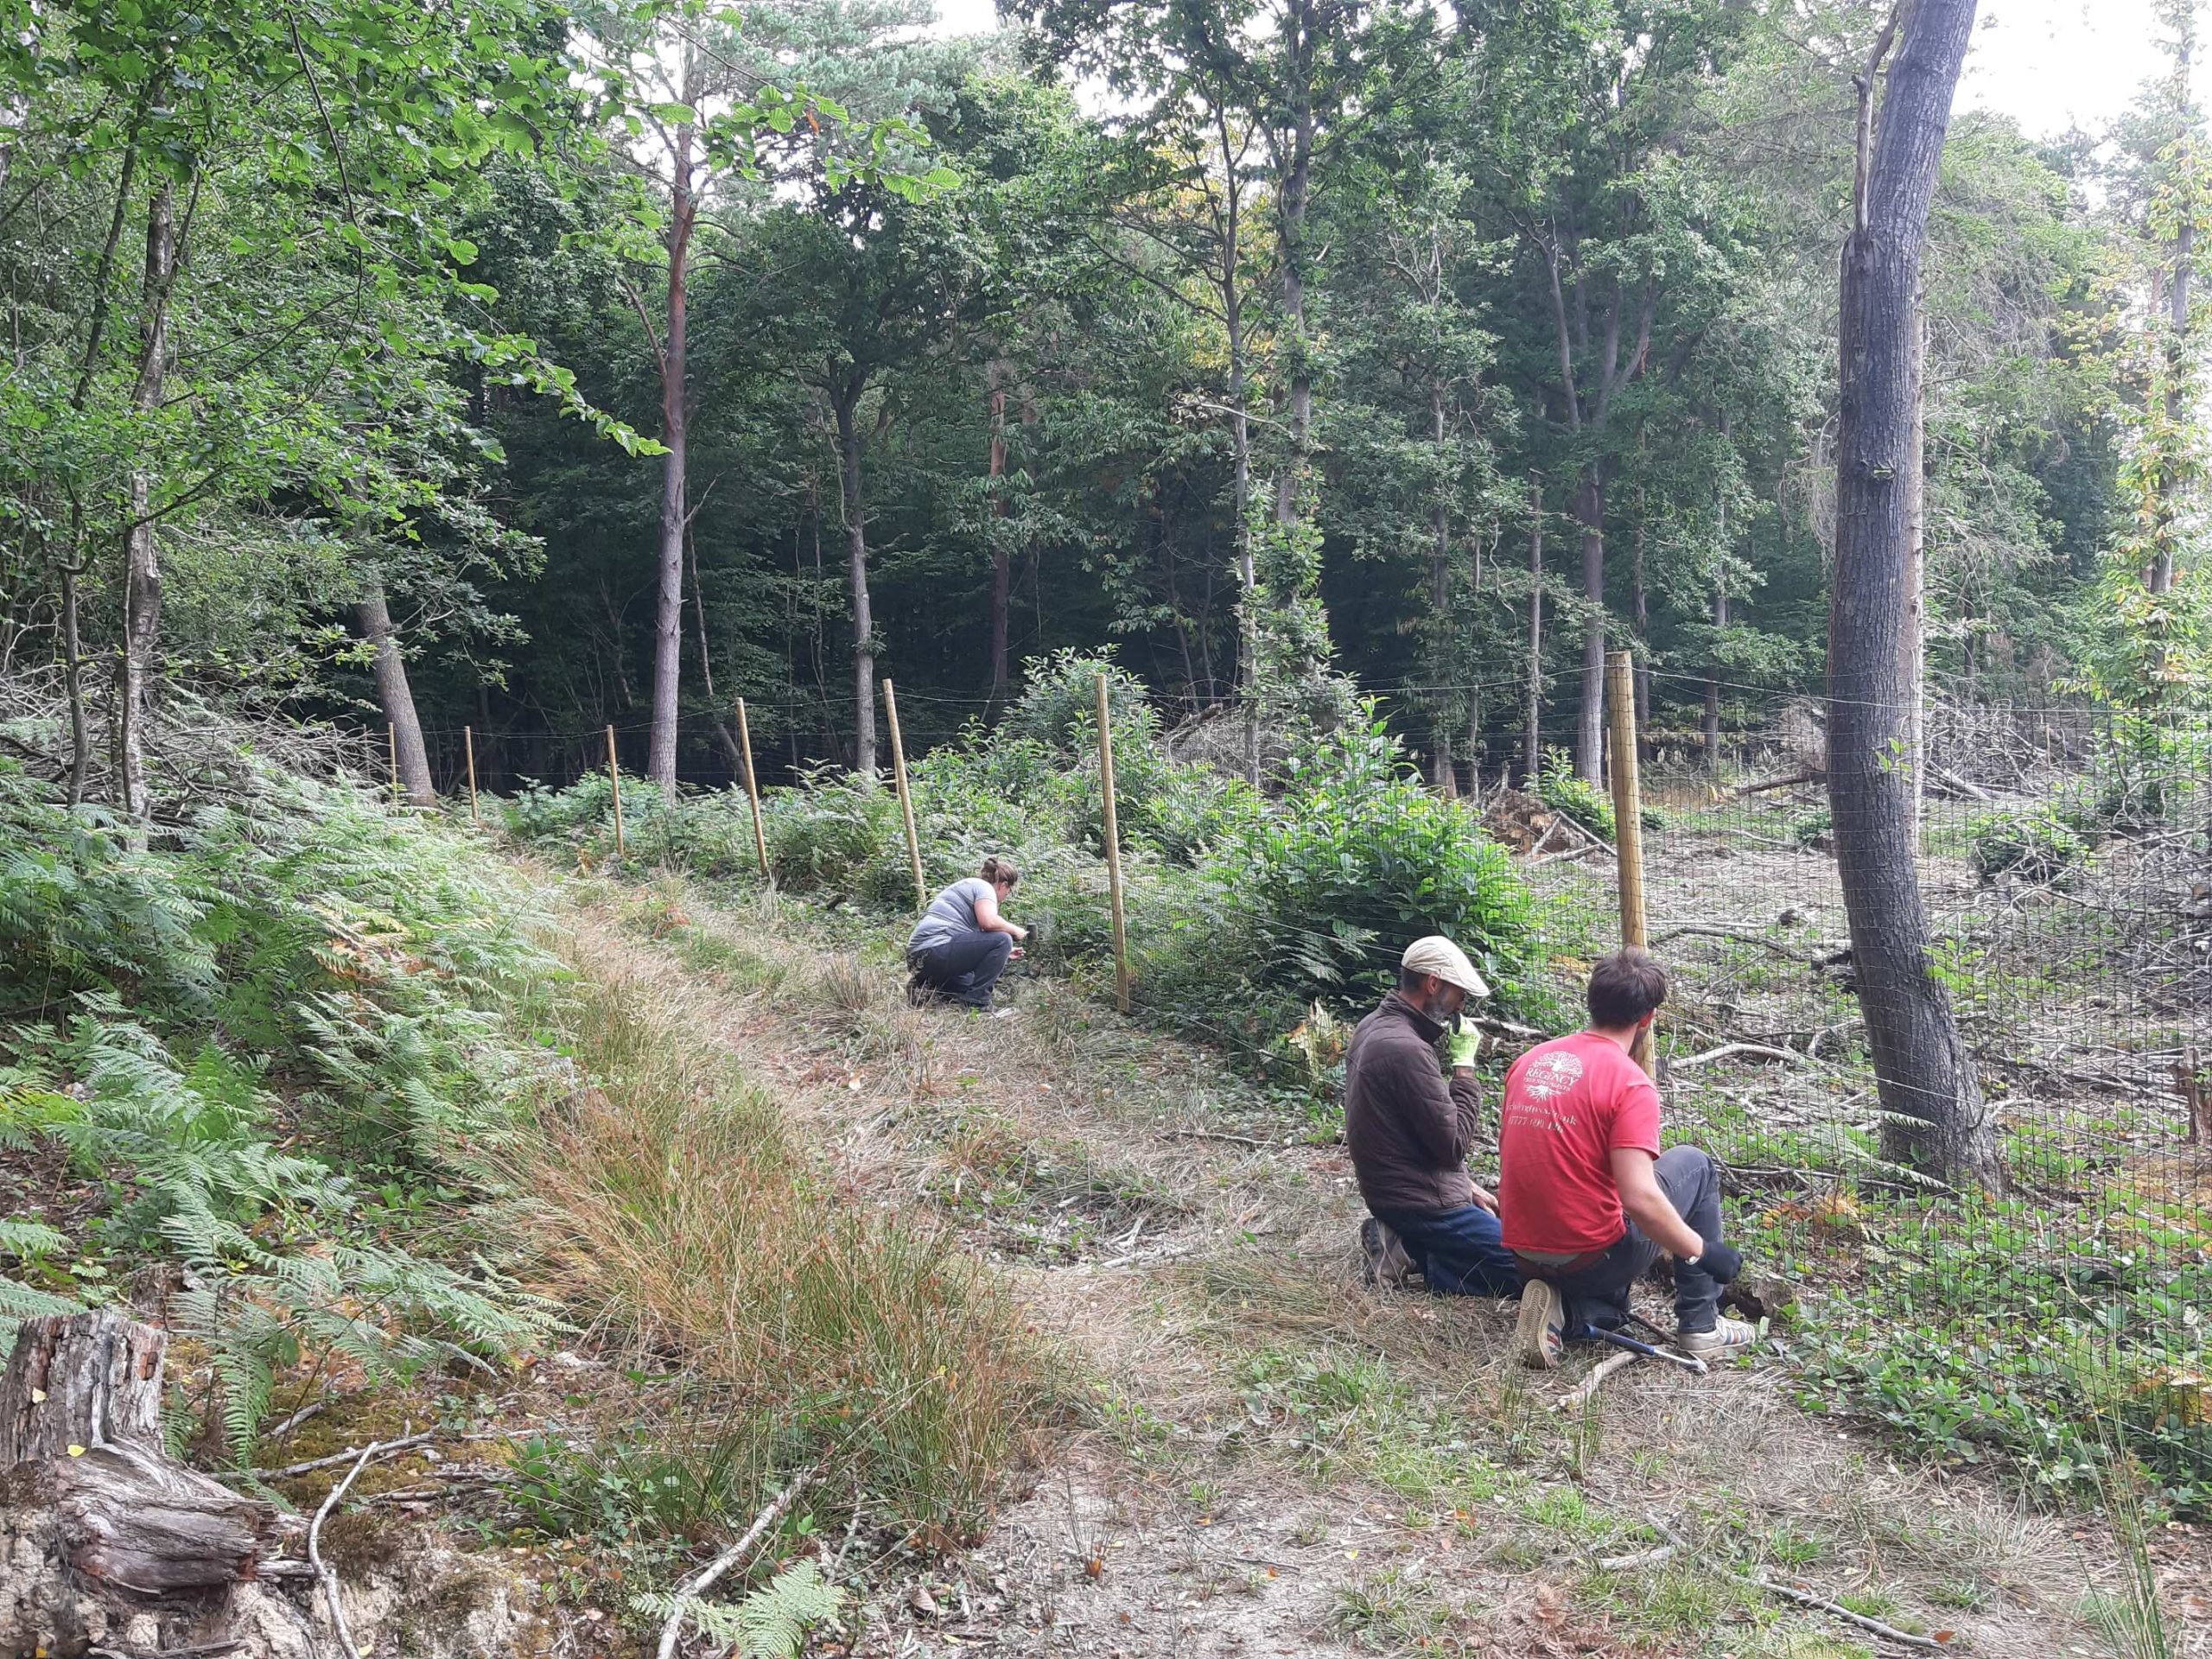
{"x": 1559, "y": 789}
{"x": 2036, "y": 846}
{"x": 1810, "y": 828}
{"x": 1325, "y": 889}
{"x": 708, "y": 832}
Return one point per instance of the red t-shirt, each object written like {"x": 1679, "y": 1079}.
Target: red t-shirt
{"x": 1568, "y": 1104}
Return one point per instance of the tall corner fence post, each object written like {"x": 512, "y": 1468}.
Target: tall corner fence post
{"x": 614, "y": 779}
{"x": 468, "y": 749}
{"x": 905, "y": 797}
{"x": 1628, "y": 812}
{"x": 391, "y": 759}
{"x": 752, "y": 791}
{"x": 1113, "y": 845}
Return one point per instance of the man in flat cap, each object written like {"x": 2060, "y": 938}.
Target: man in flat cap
{"x": 1410, "y": 1129}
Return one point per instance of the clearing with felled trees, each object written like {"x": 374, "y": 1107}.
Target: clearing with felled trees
{"x": 543, "y": 549}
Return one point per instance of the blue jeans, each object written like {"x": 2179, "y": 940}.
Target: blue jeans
{"x": 1461, "y": 1252}
{"x": 965, "y": 967}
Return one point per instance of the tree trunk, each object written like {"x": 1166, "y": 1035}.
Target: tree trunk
{"x": 1912, "y": 640}
{"x": 1535, "y": 727}
{"x": 1240, "y": 442}
{"x": 1002, "y": 555}
{"x": 1640, "y": 608}
{"x": 1439, "y": 597}
{"x": 2159, "y": 578}
{"x": 845, "y": 398}
{"x": 373, "y": 616}
{"x": 1474, "y": 689}
{"x": 72, "y": 670}
{"x": 1299, "y": 25}
{"x": 1590, "y": 733}
{"x": 1713, "y": 670}
{"x": 1935, "y": 1116}
{"x": 668, "y": 612}
{"x": 142, "y": 579}
{"x": 80, "y": 1379}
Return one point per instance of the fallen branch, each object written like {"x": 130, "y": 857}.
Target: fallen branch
{"x": 1765, "y": 784}
{"x": 1710, "y": 931}
{"x": 1586, "y": 1390}
{"x": 381, "y": 1448}
{"x": 1504, "y": 1027}
{"x": 1806, "y": 1597}
{"x": 322, "y": 1571}
{"x": 1727, "y": 1051}
{"x": 1642, "y": 1557}
{"x": 703, "y": 1580}
{"x": 1213, "y": 1135}
{"x": 1958, "y": 785}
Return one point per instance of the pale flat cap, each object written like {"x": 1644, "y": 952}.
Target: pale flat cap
{"x": 1447, "y": 961}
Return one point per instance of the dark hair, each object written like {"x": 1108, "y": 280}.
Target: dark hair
{"x": 1624, "y": 987}
{"x": 996, "y": 869}
{"x": 1410, "y": 979}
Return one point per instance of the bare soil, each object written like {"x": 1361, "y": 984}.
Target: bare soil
{"x": 1261, "y": 1456}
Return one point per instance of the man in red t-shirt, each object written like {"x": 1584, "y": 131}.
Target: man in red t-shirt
{"x": 1587, "y": 1199}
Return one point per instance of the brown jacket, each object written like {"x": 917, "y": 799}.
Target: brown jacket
{"x": 1409, "y": 1130}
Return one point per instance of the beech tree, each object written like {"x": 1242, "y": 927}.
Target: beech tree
{"x": 1934, "y": 1115}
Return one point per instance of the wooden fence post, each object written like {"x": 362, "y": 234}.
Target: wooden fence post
{"x": 906, "y": 799}
{"x": 614, "y": 777}
{"x": 1113, "y": 846}
{"x": 753, "y": 793}
{"x": 468, "y": 747}
{"x": 1628, "y": 812}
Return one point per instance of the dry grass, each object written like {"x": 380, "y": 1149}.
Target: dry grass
{"x": 1245, "y": 1383}
{"x": 676, "y": 1211}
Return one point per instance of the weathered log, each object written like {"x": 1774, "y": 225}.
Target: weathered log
{"x": 81, "y": 1379}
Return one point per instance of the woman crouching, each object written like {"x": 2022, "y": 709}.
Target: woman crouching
{"x": 962, "y": 945}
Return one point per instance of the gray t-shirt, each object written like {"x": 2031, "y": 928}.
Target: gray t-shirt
{"x": 952, "y": 913}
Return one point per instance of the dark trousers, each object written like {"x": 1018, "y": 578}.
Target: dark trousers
{"x": 1598, "y": 1295}
{"x": 965, "y": 967}
{"x": 1460, "y": 1252}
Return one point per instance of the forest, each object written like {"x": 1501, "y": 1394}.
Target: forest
{"x": 536, "y": 536}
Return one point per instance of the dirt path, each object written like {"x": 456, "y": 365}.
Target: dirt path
{"x": 1261, "y": 1457}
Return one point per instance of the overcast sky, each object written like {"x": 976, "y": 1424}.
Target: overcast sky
{"x": 2052, "y": 63}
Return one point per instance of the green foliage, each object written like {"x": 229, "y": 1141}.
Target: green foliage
{"x": 2097, "y": 1364}
{"x": 1355, "y": 861}
{"x": 2036, "y": 845}
{"x": 1559, "y": 789}
{"x": 771, "y": 1623}
{"x": 668, "y": 1481}
{"x": 1807, "y": 827}
{"x": 302, "y": 986}
{"x": 826, "y": 836}
{"x": 709, "y": 832}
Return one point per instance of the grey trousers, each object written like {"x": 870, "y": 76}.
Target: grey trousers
{"x": 1598, "y": 1295}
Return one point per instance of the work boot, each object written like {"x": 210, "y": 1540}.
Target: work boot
{"x": 1540, "y": 1330}
{"x": 1387, "y": 1262}
{"x": 1725, "y": 1338}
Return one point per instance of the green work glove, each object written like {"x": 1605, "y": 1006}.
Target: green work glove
{"x": 1460, "y": 1044}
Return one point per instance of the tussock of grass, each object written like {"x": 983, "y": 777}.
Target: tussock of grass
{"x": 675, "y": 1209}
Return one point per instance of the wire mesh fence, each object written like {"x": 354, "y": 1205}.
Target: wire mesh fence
{"x": 2066, "y": 873}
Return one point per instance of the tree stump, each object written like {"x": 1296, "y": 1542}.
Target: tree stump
{"x": 104, "y": 1540}
{"x": 81, "y": 1379}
